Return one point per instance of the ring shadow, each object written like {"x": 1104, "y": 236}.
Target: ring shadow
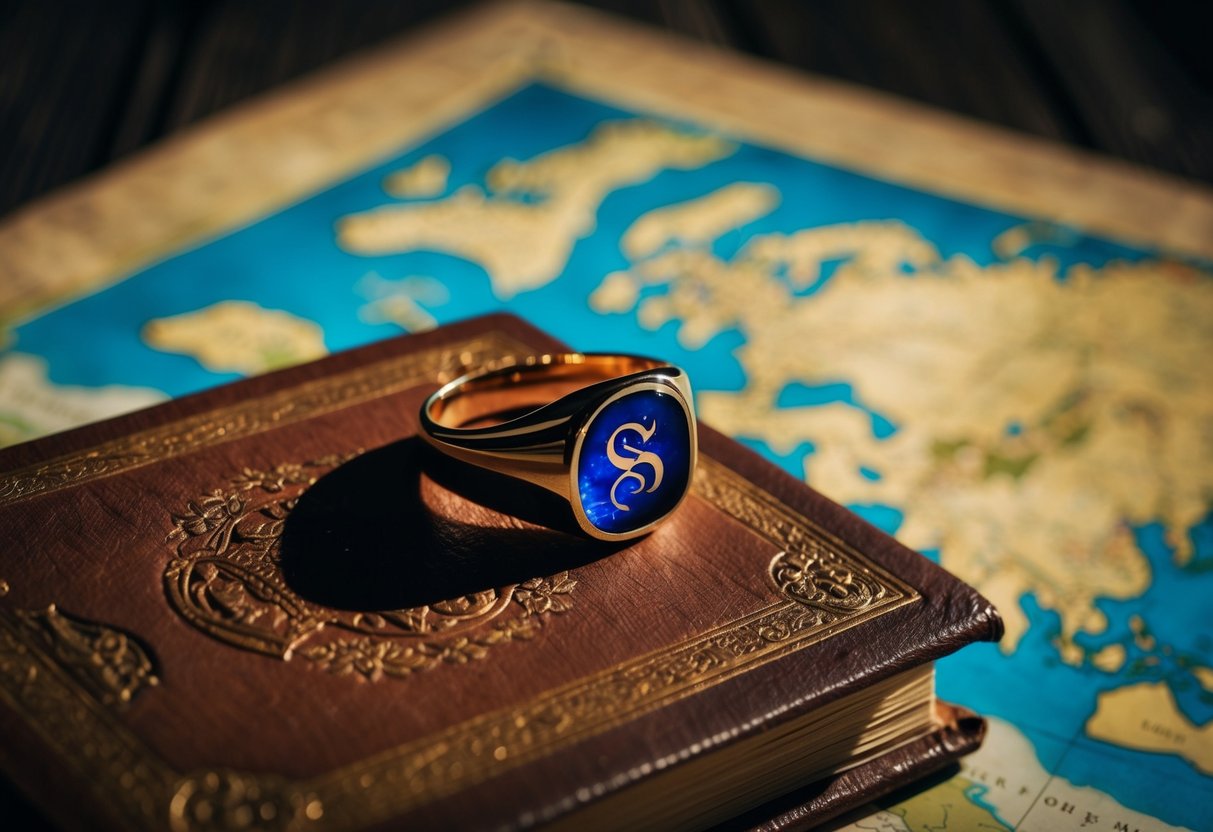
{"x": 403, "y": 526}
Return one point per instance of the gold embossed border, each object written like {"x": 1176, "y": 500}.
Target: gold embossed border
{"x": 826, "y": 585}
{"x": 238, "y": 421}
{"x": 126, "y": 777}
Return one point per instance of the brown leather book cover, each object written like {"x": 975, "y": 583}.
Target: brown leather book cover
{"x": 268, "y": 605}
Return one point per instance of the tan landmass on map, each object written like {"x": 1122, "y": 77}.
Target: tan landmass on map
{"x": 1141, "y": 633}
{"x": 524, "y": 226}
{"x": 701, "y": 220}
{"x": 238, "y": 336}
{"x": 1037, "y": 417}
{"x": 31, "y": 405}
{"x": 1003, "y": 786}
{"x": 1110, "y": 659}
{"x": 1146, "y": 717}
{"x": 945, "y": 807}
{"x": 1015, "y": 239}
{"x": 400, "y": 301}
{"x": 1069, "y": 651}
{"x": 871, "y": 247}
{"x": 1204, "y": 675}
{"x": 423, "y": 179}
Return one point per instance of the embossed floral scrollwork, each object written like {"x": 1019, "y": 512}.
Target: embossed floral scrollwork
{"x": 223, "y": 800}
{"x": 812, "y": 577}
{"x": 225, "y": 579}
{"x": 374, "y": 659}
{"x": 543, "y": 595}
{"x": 110, "y": 663}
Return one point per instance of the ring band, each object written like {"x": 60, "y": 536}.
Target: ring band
{"x": 614, "y": 435}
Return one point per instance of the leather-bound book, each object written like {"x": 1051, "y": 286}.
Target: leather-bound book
{"x": 270, "y": 605}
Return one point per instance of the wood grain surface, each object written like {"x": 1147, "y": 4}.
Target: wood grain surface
{"x": 83, "y": 84}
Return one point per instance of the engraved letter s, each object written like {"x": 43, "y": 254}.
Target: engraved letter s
{"x": 627, "y": 465}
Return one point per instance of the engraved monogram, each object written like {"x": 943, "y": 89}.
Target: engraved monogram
{"x": 628, "y": 464}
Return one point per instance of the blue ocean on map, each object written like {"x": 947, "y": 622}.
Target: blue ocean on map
{"x": 289, "y": 260}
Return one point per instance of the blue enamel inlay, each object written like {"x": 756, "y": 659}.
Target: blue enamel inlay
{"x": 646, "y": 431}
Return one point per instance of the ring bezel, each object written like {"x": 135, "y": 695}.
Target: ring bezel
{"x": 544, "y": 446}
{"x": 657, "y": 384}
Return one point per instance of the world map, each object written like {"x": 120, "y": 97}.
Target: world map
{"x": 1026, "y": 403}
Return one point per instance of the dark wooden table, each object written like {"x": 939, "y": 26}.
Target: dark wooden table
{"x": 85, "y": 83}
